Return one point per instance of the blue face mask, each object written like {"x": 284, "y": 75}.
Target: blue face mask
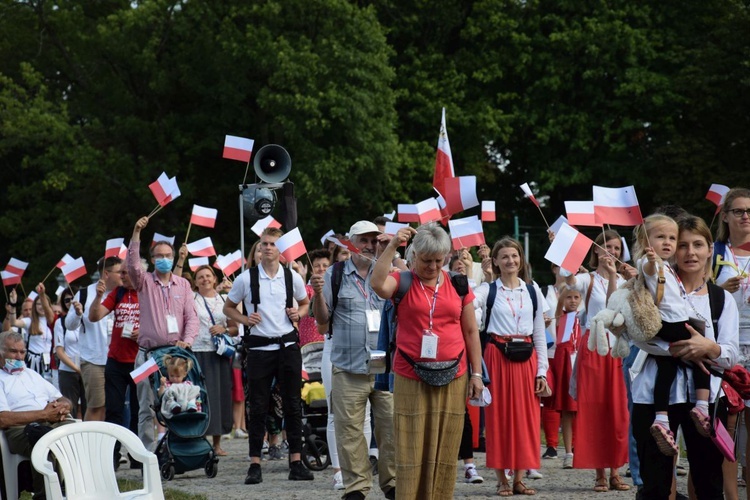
{"x": 163, "y": 265}
{"x": 14, "y": 365}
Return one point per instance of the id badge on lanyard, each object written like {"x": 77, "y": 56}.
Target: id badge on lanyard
{"x": 172, "y": 327}
{"x": 429, "y": 344}
{"x": 373, "y": 320}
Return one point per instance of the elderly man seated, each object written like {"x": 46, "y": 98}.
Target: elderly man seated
{"x": 26, "y": 398}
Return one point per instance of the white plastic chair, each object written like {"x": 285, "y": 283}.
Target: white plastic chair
{"x": 84, "y": 453}
{"x": 11, "y": 461}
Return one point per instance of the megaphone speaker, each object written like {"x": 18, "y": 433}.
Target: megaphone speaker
{"x": 272, "y": 163}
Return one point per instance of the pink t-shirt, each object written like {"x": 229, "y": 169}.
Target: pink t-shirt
{"x": 414, "y": 318}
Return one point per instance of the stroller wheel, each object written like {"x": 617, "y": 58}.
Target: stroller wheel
{"x": 167, "y": 471}
{"x": 212, "y": 468}
{"x": 315, "y": 454}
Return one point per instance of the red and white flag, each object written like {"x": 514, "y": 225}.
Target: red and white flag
{"x": 232, "y": 262}
{"x": 74, "y": 270}
{"x": 203, "y": 216}
{"x": 408, "y": 213}
{"x": 443, "y": 160}
{"x": 263, "y": 223}
{"x": 238, "y": 148}
{"x": 142, "y": 372}
{"x": 217, "y": 263}
{"x": 67, "y": 259}
{"x": 391, "y": 228}
{"x": 291, "y": 245}
{"x": 466, "y": 232}
{"x": 569, "y": 248}
{"x": 581, "y": 213}
{"x": 202, "y": 248}
{"x": 716, "y": 194}
{"x": 527, "y": 190}
{"x": 32, "y": 296}
{"x": 617, "y": 206}
{"x": 555, "y": 227}
{"x": 565, "y": 327}
{"x": 165, "y": 189}
{"x": 197, "y": 262}
{"x": 123, "y": 252}
{"x": 460, "y": 194}
{"x": 60, "y": 289}
{"x": 344, "y": 244}
{"x": 17, "y": 266}
{"x": 113, "y": 248}
{"x": 390, "y": 216}
{"x": 325, "y": 237}
{"x": 488, "y": 211}
{"x": 158, "y": 238}
{"x": 10, "y": 278}
{"x": 427, "y": 211}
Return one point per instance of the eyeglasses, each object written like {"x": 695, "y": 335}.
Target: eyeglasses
{"x": 67, "y": 300}
{"x": 739, "y": 212}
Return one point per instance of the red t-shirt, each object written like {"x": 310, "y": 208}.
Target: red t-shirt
{"x": 127, "y": 310}
{"x": 414, "y": 318}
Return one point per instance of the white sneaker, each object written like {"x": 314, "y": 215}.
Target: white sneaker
{"x": 568, "y": 461}
{"x": 471, "y": 475}
{"x": 338, "y": 481}
{"x": 534, "y": 474}
{"x": 264, "y": 449}
{"x": 240, "y": 434}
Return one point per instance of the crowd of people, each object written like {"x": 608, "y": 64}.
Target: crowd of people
{"x": 457, "y": 331}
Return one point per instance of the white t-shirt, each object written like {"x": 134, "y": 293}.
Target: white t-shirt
{"x": 69, "y": 344}
{"x": 741, "y": 296}
{"x": 643, "y": 383}
{"x": 672, "y": 306}
{"x": 272, "y": 308}
{"x": 25, "y": 391}
{"x": 94, "y": 339}
{"x": 38, "y": 344}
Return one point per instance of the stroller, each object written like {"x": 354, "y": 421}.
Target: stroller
{"x": 184, "y": 446}
{"x": 315, "y": 452}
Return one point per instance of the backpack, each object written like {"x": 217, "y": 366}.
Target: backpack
{"x": 483, "y": 336}
{"x": 255, "y": 287}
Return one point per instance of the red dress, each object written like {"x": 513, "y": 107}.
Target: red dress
{"x": 602, "y": 419}
{"x": 562, "y": 368}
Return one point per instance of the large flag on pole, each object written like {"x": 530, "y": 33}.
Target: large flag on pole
{"x": 443, "y": 160}
{"x": 617, "y": 206}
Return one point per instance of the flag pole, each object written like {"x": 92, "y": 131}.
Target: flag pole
{"x": 543, "y": 217}
{"x": 714, "y": 218}
{"x": 48, "y": 274}
{"x": 6, "y": 293}
{"x": 154, "y": 211}
{"x": 608, "y": 253}
{"x": 20, "y": 282}
{"x": 190, "y": 224}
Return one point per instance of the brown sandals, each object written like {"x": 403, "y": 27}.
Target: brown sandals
{"x": 601, "y": 485}
{"x": 520, "y": 489}
{"x": 504, "y": 489}
{"x": 615, "y": 483}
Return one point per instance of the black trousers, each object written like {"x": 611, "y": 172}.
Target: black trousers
{"x": 466, "y": 449}
{"x": 116, "y": 382}
{"x": 657, "y": 469}
{"x": 667, "y": 366}
{"x": 262, "y": 367}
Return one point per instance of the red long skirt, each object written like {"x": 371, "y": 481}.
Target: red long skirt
{"x": 601, "y": 424}
{"x": 512, "y": 426}
{"x": 562, "y": 370}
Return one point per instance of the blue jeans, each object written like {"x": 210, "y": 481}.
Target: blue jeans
{"x": 633, "y": 461}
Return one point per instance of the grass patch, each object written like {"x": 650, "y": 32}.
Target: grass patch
{"x": 127, "y": 485}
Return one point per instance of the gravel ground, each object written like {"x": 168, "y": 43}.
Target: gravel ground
{"x": 229, "y": 483}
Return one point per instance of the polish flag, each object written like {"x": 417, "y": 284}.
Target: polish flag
{"x": 427, "y": 211}
{"x": 443, "y": 160}
{"x": 238, "y": 148}
{"x": 565, "y": 327}
{"x": 60, "y": 289}
{"x": 203, "y": 216}
{"x": 142, "y": 372}
{"x": 113, "y": 247}
{"x": 158, "y": 238}
{"x": 466, "y": 232}
{"x": 123, "y": 252}
{"x": 527, "y": 190}
{"x": 17, "y": 266}
{"x": 460, "y": 194}
{"x": 291, "y": 245}
{"x": 581, "y": 213}
{"x": 345, "y": 244}
{"x": 197, "y": 262}
{"x": 218, "y": 261}
{"x": 10, "y": 278}
{"x": 488, "y": 211}
{"x": 202, "y": 248}
{"x": 390, "y": 216}
{"x": 391, "y": 228}
{"x": 74, "y": 270}
{"x": 232, "y": 262}
{"x": 325, "y": 237}
{"x": 165, "y": 189}
{"x": 32, "y": 296}
{"x": 67, "y": 259}
{"x": 617, "y": 206}
{"x": 555, "y": 227}
{"x": 265, "y": 222}
{"x": 716, "y": 194}
{"x": 408, "y": 213}
{"x": 569, "y": 249}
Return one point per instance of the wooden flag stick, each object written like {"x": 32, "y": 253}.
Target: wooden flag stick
{"x": 608, "y": 253}
{"x": 48, "y": 274}
{"x": 543, "y": 217}
{"x": 154, "y": 211}
{"x": 6, "y": 294}
{"x": 188, "y": 231}
{"x": 22, "y": 289}
{"x": 710, "y": 226}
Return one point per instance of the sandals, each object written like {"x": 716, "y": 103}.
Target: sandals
{"x": 616, "y": 484}
{"x": 504, "y": 489}
{"x": 601, "y": 485}
{"x": 664, "y": 439}
{"x": 702, "y": 421}
{"x": 520, "y": 489}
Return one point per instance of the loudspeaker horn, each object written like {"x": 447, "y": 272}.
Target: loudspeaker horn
{"x": 272, "y": 163}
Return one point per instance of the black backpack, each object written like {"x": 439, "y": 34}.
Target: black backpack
{"x": 483, "y": 337}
